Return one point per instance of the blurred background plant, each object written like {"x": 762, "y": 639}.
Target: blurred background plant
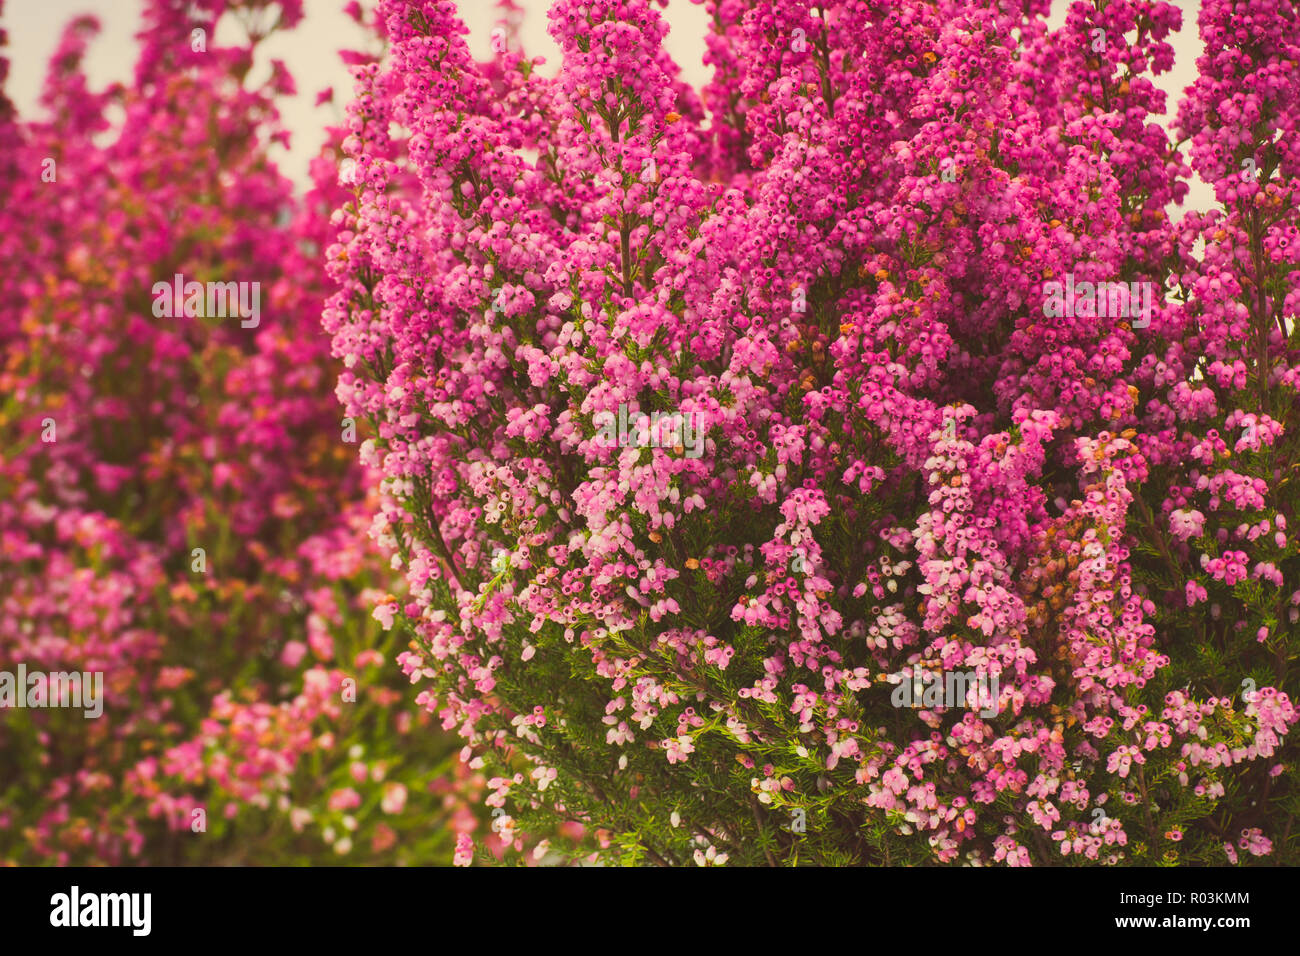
{"x": 253, "y": 711}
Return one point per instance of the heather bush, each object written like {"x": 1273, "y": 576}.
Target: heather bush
{"x": 180, "y": 503}
{"x": 863, "y": 262}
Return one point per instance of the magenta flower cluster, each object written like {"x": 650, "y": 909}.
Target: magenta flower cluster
{"x": 835, "y": 254}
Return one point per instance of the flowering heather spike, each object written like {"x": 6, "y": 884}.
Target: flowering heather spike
{"x": 910, "y": 464}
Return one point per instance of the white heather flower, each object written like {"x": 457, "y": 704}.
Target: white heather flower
{"x": 543, "y": 776}
{"x": 710, "y": 857}
{"x": 675, "y": 819}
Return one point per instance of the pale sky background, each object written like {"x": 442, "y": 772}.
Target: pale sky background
{"x": 309, "y": 50}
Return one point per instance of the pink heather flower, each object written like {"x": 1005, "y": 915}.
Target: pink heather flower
{"x": 384, "y": 614}
{"x": 394, "y": 798}
{"x": 292, "y": 653}
{"x": 1121, "y": 761}
{"x": 321, "y": 643}
{"x": 1186, "y": 524}
{"x": 384, "y": 838}
{"x": 368, "y": 658}
{"x": 1254, "y": 840}
{"x": 464, "y": 855}
{"x": 344, "y": 799}
{"x": 678, "y": 748}
{"x": 619, "y": 735}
